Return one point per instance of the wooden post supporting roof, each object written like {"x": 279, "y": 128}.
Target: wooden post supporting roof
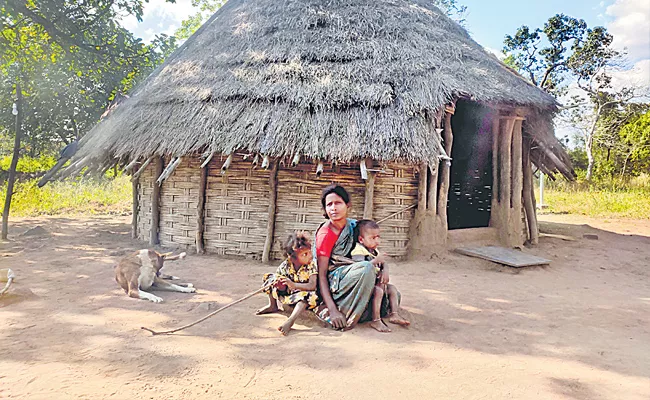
{"x": 446, "y": 166}
{"x": 369, "y": 197}
{"x": 200, "y": 210}
{"x": 505, "y": 152}
{"x": 155, "y": 203}
{"x": 273, "y": 198}
{"x": 496, "y": 193}
{"x": 531, "y": 213}
{"x": 136, "y": 206}
{"x": 517, "y": 166}
{"x": 422, "y": 188}
{"x": 432, "y": 201}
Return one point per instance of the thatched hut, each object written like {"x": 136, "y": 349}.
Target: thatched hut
{"x": 231, "y": 140}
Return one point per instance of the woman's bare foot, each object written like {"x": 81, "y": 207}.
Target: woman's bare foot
{"x": 394, "y": 318}
{"x": 270, "y": 309}
{"x": 286, "y": 327}
{"x": 379, "y": 325}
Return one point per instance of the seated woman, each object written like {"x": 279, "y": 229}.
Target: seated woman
{"x": 346, "y": 289}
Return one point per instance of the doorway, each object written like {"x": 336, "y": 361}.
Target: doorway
{"x": 470, "y": 186}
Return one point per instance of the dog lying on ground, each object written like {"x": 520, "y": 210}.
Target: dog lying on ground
{"x": 140, "y": 271}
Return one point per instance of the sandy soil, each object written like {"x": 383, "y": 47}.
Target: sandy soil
{"x": 577, "y": 329}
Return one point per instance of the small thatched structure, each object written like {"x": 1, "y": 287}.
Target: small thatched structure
{"x": 232, "y": 138}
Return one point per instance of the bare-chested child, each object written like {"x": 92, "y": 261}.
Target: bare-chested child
{"x": 295, "y": 280}
{"x": 385, "y": 299}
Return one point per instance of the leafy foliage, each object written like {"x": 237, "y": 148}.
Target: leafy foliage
{"x": 80, "y": 196}
{"x": 71, "y": 58}
{"x": 567, "y": 50}
{"x": 565, "y": 46}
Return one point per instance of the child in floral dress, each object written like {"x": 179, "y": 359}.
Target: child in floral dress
{"x": 294, "y": 282}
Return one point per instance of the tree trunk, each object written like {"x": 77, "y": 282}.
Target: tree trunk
{"x": 590, "y": 156}
{"x": 589, "y": 145}
{"x": 14, "y": 162}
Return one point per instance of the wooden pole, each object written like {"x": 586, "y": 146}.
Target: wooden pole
{"x": 200, "y": 210}
{"x": 496, "y": 193}
{"x": 155, "y": 203}
{"x": 370, "y": 193}
{"x": 273, "y": 198}
{"x": 14, "y": 161}
{"x": 422, "y": 188}
{"x": 446, "y": 166}
{"x": 517, "y": 167}
{"x": 134, "y": 220}
{"x": 505, "y": 151}
{"x": 528, "y": 188}
{"x": 432, "y": 202}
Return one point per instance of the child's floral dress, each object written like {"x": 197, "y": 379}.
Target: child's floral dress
{"x": 297, "y": 275}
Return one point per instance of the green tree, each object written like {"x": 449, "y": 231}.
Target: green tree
{"x": 567, "y": 50}
{"x": 61, "y": 61}
{"x": 636, "y": 136}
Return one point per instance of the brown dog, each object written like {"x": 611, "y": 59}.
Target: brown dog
{"x": 140, "y": 271}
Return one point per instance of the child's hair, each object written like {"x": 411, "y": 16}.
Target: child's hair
{"x": 362, "y": 226}
{"x": 337, "y": 190}
{"x": 296, "y": 241}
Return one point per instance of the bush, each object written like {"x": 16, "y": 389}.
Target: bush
{"x": 82, "y": 196}
{"x": 602, "y": 197}
{"x": 28, "y": 164}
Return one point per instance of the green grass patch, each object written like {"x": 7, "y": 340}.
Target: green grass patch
{"x": 82, "y": 196}
{"x": 604, "y": 198}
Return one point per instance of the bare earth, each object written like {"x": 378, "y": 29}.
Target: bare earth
{"x": 577, "y": 329}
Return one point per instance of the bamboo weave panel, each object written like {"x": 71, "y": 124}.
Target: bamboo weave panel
{"x": 236, "y": 208}
{"x": 178, "y": 203}
{"x": 395, "y": 190}
{"x": 145, "y": 191}
{"x": 299, "y": 191}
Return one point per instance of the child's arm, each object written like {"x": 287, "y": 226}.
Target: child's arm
{"x": 309, "y": 286}
{"x": 383, "y": 274}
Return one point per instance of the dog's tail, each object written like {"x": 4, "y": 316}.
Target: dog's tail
{"x": 170, "y": 257}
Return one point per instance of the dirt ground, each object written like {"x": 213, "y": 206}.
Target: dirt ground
{"x": 577, "y": 329}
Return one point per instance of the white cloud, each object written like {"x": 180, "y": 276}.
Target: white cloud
{"x": 159, "y": 16}
{"x": 498, "y": 53}
{"x": 631, "y": 27}
{"x": 637, "y": 77}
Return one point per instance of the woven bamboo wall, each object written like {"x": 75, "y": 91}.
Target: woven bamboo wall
{"x": 236, "y": 208}
{"x": 395, "y": 190}
{"x": 178, "y": 203}
{"x": 299, "y": 190}
{"x": 145, "y": 190}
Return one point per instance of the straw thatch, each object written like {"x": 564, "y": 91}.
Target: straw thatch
{"x": 336, "y": 79}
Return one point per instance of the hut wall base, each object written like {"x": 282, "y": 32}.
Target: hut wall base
{"x": 428, "y": 236}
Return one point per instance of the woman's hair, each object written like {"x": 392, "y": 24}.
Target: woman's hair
{"x": 296, "y": 241}
{"x": 337, "y": 190}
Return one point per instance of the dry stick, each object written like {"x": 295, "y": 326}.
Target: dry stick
{"x": 398, "y": 212}
{"x": 248, "y": 296}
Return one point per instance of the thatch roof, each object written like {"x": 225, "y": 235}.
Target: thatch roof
{"x": 335, "y": 79}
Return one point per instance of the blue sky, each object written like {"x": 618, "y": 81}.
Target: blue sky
{"x": 490, "y": 20}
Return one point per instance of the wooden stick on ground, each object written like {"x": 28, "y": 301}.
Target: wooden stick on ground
{"x": 248, "y": 296}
